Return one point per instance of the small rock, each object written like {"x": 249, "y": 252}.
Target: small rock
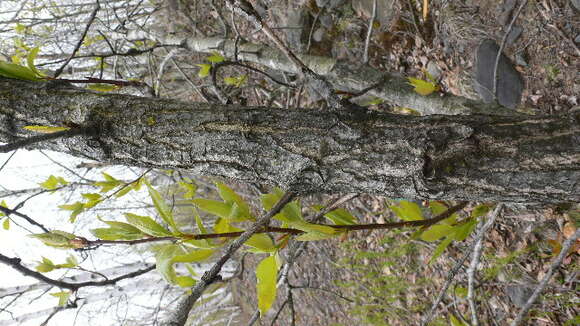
{"x": 509, "y": 81}
{"x": 433, "y": 70}
{"x": 317, "y": 36}
{"x": 521, "y": 59}
{"x": 326, "y": 20}
{"x": 519, "y": 294}
{"x": 514, "y": 34}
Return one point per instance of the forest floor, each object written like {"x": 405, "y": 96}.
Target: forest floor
{"x": 384, "y": 278}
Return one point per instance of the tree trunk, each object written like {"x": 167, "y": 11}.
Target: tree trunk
{"x": 475, "y": 157}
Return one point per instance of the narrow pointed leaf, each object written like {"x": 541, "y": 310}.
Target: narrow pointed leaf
{"x": 147, "y": 225}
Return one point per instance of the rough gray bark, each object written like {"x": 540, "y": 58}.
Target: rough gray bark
{"x": 475, "y": 157}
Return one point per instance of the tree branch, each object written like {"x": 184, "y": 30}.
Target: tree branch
{"x": 15, "y": 263}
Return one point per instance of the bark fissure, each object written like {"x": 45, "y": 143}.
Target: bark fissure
{"x": 476, "y": 157}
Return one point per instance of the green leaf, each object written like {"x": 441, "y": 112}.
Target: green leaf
{"x": 436, "y": 232}
{"x": 440, "y": 249}
{"x": 338, "y": 216}
{"x": 45, "y": 129}
{"x": 199, "y": 222}
{"x": 62, "y": 297}
{"x": 185, "y": 281}
{"x": 162, "y": 208}
{"x": 71, "y": 262}
{"x": 407, "y": 211}
{"x": 230, "y": 196}
{"x": 54, "y": 239}
{"x": 45, "y": 266}
{"x": 462, "y": 231}
{"x": 423, "y": 87}
{"x": 123, "y": 191}
{"x": 20, "y": 29}
{"x": 194, "y": 256}
{"x": 480, "y": 210}
{"x": 213, "y": 207}
{"x": 314, "y": 236}
{"x": 75, "y": 209}
{"x": 30, "y": 61}
{"x": 204, "y": 71}
{"x": 67, "y": 235}
{"x": 236, "y": 81}
{"x": 118, "y": 231}
{"x": 461, "y": 292}
{"x": 164, "y": 261}
{"x": 266, "y": 274}
{"x": 309, "y": 227}
{"x": 189, "y": 187}
{"x": 147, "y": 225}
{"x": 454, "y": 321}
{"x": 3, "y": 204}
{"x": 109, "y": 184}
{"x": 53, "y": 183}
{"x": 261, "y": 242}
{"x": 6, "y": 224}
{"x": 101, "y": 87}
{"x": 93, "y": 199}
{"x": 437, "y": 207}
{"x": 215, "y": 58}
{"x": 373, "y": 101}
{"x": 15, "y": 71}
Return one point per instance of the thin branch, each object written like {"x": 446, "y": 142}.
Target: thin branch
{"x": 82, "y": 38}
{"x": 15, "y": 263}
{"x": 502, "y": 45}
{"x": 40, "y": 138}
{"x": 267, "y": 229}
{"x": 320, "y": 11}
{"x": 28, "y": 219}
{"x": 370, "y": 32}
{"x": 477, "y": 248}
{"x": 332, "y": 207}
{"x": 540, "y": 288}
{"x": 233, "y": 63}
{"x": 7, "y": 160}
{"x": 211, "y": 275}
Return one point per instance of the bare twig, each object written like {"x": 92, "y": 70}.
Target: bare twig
{"x": 40, "y": 138}
{"x": 370, "y": 32}
{"x": 553, "y": 267}
{"x": 80, "y": 42}
{"x": 320, "y": 11}
{"x": 15, "y": 263}
{"x": 477, "y": 248}
{"x": 7, "y": 160}
{"x": 30, "y": 220}
{"x": 450, "y": 276}
{"x": 502, "y": 45}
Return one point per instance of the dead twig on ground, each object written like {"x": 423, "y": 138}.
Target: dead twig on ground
{"x": 544, "y": 282}
{"x": 476, "y": 255}
{"x": 369, "y": 33}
